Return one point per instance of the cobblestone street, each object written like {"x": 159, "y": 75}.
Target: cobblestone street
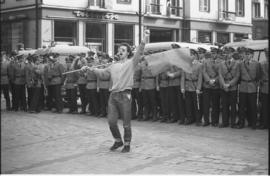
{"x": 49, "y": 143}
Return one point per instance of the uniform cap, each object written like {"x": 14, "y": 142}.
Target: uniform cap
{"x": 208, "y": 55}
{"x": 201, "y": 50}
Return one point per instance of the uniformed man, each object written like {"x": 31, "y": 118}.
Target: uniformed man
{"x": 19, "y": 72}
{"x": 5, "y": 80}
{"x": 211, "y": 89}
{"x": 228, "y": 78}
{"x": 70, "y": 85}
{"x": 250, "y": 76}
{"x": 11, "y": 77}
{"x": 79, "y": 63}
{"x": 201, "y": 53}
{"x": 29, "y": 78}
{"x": 191, "y": 84}
{"x": 103, "y": 86}
{"x": 163, "y": 80}
{"x": 55, "y": 81}
{"x": 149, "y": 85}
{"x": 264, "y": 92}
{"x": 176, "y": 102}
{"x": 91, "y": 89}
{"x": 37, "y": 83}
{"x": 136, "y": 94}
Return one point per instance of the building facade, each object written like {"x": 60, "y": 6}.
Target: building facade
{"x": 260, "y": 19}
{"x": 103, "y": 24}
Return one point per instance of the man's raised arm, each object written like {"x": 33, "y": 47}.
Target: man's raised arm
{"x": 140, "y": 49}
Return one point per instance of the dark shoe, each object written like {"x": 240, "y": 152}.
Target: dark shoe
{"x": 126, "y": 149}
{"x": 206, "y": 124}
{"x": 262, "y": 127}
{"x": 173, "y": 121}
{"x": 198, "y": 124}
{"x": 102, "y": 115}
{"x": 116, "y": 145}
{"x": 181, "y": 122}
{"x": 82, "y": 112}
{"x": 163, "y": 120}
{"x": 59, "y": 112}
{"x": 214, "y": 124}
{"x": 155, "y": 119}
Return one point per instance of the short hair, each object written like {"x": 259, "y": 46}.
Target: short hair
{"x": 128, "y": 49}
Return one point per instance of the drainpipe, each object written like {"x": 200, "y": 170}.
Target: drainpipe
{"x": 140, "y": 20}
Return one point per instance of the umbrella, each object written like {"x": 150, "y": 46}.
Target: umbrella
{"x": 252, "y": 44}
{"x": 68, "y": 50}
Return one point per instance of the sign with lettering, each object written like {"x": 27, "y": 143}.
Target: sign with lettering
{"x": 96, "y": 15}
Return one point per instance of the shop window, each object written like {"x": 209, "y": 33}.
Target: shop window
{"x": 96, "y": 3}
{"x": 256, "y": 10}
{"x": 204, "y": 5}
{"x": 239, "y": 37}
{"x": 6, "y": 37}
{"x": 65, "y": 32}
{"x": 223, "y": 38}
{"x": 96, "y": 36}
{"x": 123, "y": 1}
{"x": 123, "y": 34}
{"x": 160, "y": 35}
{"x": 204, "y": 37}
{"x": 240, "y": 7}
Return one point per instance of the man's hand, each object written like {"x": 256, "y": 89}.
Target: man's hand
{"x": 158, "y": 88}
{"x": 182, "y": 91}
{"x": 212, "y": 81}
{"x": 198, "y": 91}
{"x": 171, "y": 75}
{"x": 85, "y": 68}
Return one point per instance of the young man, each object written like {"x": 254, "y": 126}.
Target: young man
{"x": 5, "y": 80}
{"x": 119, "y": 104}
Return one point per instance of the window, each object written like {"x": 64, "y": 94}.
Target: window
{"x": 123, "y": 34}
{"x": 95, "y": 36}
{"x": 223, "y": 37}
{"x": 155, "y": 6}
{"x": 204, "y": 5}
{"x": 175, "y": 7}
{"x": 256, "y": 10}
{"x": 240, "y": 7}
{"x": 239, "y": 37}
{"x": 2, "y": 1}
{"x": 204, "y": 37}
{"x": 224, "y": 5}
{"x": 65, "y": 32}
{"x": 124, "y": 1}
{"x": 97, "y": 3}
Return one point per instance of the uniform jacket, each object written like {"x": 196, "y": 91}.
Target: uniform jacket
{"x": 29, "y": 74}
{"x": 137, "y": 77}
{"x": 148, "y": 81}
{"x": 19, "y": 72}
{"x": 264, "y": 77}
{"x": 53, "y": 73}
{"x": 91, "y": 80}
{"x": 192, "y": 81}
{"x": 70, "y": 79}
{"x": 210, "y": 71}
{"x": 37, "y": 75}
{"x": 176, "y": 80}
{"x": 163, "y": 79}
{"x": 249, "y": 76}
{"x": 4, "y": 73}
{"x": 229, "y": 73}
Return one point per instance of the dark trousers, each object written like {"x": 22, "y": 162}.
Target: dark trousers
{"x": 56, "y": 92}
{"x": 211, "y": 99}
{"x": 49, "y": 99}
{"x": 137, "y": 105}
{"x": 119, "y": 106}
{"x": 228, "y": 102}
{"x": 36, "y": 103}
{"x": 164, "y": 101}
{"x": 72, "y": 99}
{"x": 92, "y": 97}
{"x": 42, "y": 97}
{"x": 264, "y": 110}
{"x": 20, "y": 98}
{"x": 30, "y": 92}
{"x": 247, "y": 108}
{"x": 83, "y": 96}
{"x": 176, "y": 103}
{"x": 103, "y": 100}
{"x": 193, "y": 112}
{"x": 149, "y": 103}
{"x": 5, "y": 90}
{"x": 12, "y": 90}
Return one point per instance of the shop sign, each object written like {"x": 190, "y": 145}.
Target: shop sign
{"x": 95, "y": 15}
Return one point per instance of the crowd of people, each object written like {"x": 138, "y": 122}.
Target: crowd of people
{"x": 227, "y": 88}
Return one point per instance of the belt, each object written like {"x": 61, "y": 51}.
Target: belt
{"x": 19, "y": 76}
{"x": 227, "y": 79}
{"x": 55, "y": 76}
{"x": 242, "y": 80}
{"x": 149, "y": 77}
{"x": 91, "y": 80}
{"x": 191, "y": 80}
{"x": 137, "y": 80}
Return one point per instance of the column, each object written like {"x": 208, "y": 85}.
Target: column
{"x": 80, "y": 33}
{"x": 231, "y": 37}
{"x": 46, "y": 34}
{"x": 193, "y": 36}
{"x": 136, "y": 35}
{"x": 214, "y": 37}
{"x": 110, "y": 39}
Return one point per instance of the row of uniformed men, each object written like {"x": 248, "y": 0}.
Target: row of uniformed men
{"x": 174, "y": 95}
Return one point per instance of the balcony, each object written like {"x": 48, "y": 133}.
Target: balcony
{"x": 153, "y": 8}
{"x": 226, "y": 16}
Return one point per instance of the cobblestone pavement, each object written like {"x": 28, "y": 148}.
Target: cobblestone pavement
{"x": 49, "y": 143}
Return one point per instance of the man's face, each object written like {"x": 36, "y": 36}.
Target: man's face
{"x": 122, "y": 52}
